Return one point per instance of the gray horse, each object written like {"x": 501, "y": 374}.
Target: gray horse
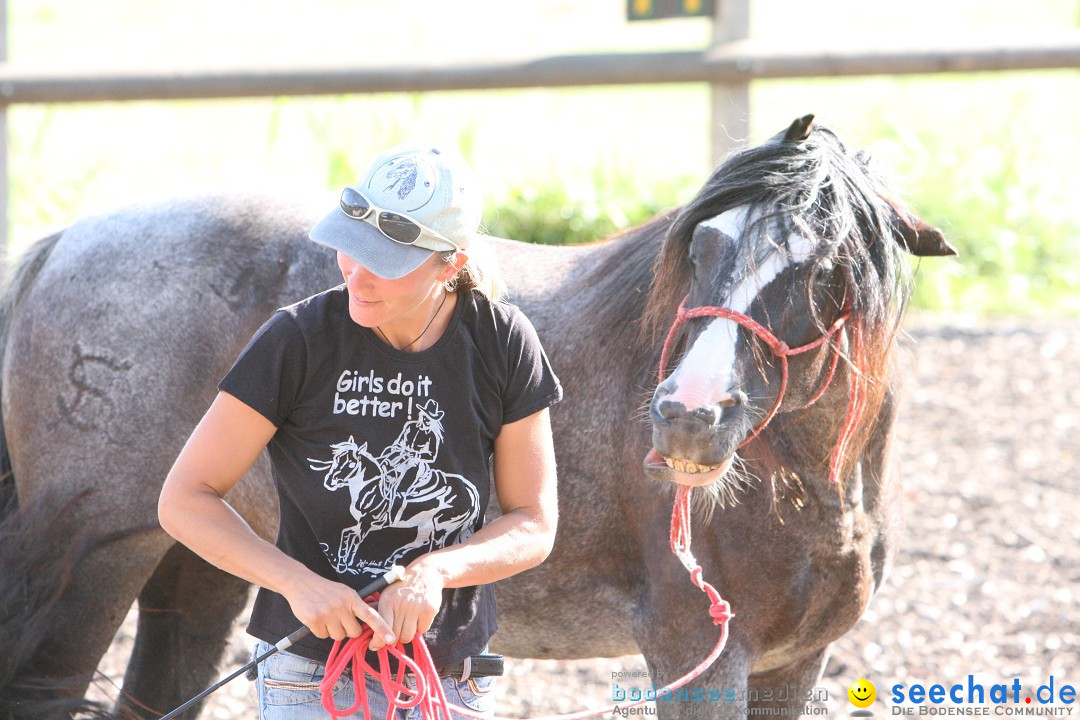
{"x": 116, "y": 330}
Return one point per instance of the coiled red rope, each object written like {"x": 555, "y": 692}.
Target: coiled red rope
{"x": 427, "y": 691}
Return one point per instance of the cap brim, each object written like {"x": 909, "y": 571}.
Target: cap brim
{"x": 366, "y": 245}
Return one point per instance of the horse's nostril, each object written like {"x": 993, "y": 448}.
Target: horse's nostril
{"x": 707, "y": 414}
{"x": 669, "y": 409}
{"x": 663, "y": 389}
{"x": 727, "y": 400}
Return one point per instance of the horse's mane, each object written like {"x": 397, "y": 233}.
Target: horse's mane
{"x": 621, "y": 282}
{"x": 344, "y": 446}
{"x": 814, "y": 187}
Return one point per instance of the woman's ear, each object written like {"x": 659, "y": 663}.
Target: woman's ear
{"x": 454, "y": 266}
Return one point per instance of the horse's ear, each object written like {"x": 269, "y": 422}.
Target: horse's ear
{"x": 351, "y": 441}
{"x": 917, "y": 237}
{"x": 800, "y": 129}
{"x": 925, "y": 241}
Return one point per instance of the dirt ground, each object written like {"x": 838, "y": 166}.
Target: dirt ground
{"x": 987, "y": 581}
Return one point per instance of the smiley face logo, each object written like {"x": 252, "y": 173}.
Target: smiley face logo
{"x": 862, "y": 693}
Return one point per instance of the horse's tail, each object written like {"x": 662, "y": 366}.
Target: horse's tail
{"x": 41, "y": 543}
{"x": 22, "y": 278}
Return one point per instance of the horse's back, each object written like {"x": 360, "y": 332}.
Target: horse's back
{"x": 545, "y": 281}
{"x": 117, "y": 346}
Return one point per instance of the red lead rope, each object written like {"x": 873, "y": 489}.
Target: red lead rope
{"x": 428, "y": 693}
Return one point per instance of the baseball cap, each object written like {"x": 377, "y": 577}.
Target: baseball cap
{"x": 426, "y": 185}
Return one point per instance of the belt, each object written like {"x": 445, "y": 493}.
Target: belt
{"x": 481, "y": 665}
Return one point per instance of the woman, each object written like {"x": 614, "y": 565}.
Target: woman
{"x": 386, "y": 403}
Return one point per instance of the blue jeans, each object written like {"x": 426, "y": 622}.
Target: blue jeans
{"x": 288, "y": 688}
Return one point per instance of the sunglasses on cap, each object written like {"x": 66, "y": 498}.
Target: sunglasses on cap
{"x": 399, "y": 228}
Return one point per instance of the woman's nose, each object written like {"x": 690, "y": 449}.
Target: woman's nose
{"x": 355, "y": 274}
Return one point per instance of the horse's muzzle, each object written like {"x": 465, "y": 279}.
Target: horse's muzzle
{"x": 695, "y": 445}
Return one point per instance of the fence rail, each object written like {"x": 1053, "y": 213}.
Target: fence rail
{"x": 728, "y": 63}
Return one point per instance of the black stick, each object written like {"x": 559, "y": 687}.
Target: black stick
{"x": 396, "y": 573}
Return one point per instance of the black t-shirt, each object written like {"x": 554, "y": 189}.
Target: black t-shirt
{"x": 381, "y": 455}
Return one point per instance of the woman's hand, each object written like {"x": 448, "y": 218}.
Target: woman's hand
{"x": 334, "y": 610}
{"x": 409, "y": 606}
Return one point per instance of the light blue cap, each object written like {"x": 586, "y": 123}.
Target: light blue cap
{"x": 431, "y": 187}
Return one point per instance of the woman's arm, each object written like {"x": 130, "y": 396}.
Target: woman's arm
{"x": 521, "y": 538}
{"x": 192, "y": 509}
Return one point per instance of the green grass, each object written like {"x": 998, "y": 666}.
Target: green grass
{"x": 989, "y": 158}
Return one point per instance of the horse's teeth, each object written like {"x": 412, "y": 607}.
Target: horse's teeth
{"x": 687, "y": 466}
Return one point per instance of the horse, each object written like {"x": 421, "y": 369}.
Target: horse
{"x": 352, "y": 466}
{"x": 440, "y": 507}
{"x": 773, "y": 299}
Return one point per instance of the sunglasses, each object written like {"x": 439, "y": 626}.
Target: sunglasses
{"x": 399, "y": 228}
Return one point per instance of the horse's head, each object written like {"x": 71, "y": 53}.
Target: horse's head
{"x": 350, "y": 463}
{"x": 789, "y": 262}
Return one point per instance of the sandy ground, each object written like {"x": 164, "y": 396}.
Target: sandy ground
{"x": 987, "y": 581}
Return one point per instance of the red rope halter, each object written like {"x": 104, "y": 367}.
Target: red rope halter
{"x": 782, "y": 351}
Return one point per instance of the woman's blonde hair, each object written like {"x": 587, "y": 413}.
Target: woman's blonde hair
{"x": 481, "y": 271}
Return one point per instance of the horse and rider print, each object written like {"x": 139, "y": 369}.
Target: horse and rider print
{"x": 397, "y": 493}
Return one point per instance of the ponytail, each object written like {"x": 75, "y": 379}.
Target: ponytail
{"x": 480, "y": 272}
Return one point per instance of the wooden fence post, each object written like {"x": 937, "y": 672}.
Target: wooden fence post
{"x": 730, "y": 102}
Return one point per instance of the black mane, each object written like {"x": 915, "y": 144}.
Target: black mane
{"x": 814, "y": 186}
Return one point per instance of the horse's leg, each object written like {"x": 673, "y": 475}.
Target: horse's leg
{"x": 424, "y": 532}
{"x": 790, "y": 687}
{"x": 675, "y": 633}
{"x": 186, "y": 611}
{"x": 351, "y": 538}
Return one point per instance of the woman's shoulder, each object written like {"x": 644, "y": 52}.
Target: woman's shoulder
{"x": 500, "y": 322}
{"x": 319, "y": 308}
{"x": 502, "y": 313}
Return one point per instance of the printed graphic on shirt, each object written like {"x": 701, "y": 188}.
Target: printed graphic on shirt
{"x": 398, "y": 490}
